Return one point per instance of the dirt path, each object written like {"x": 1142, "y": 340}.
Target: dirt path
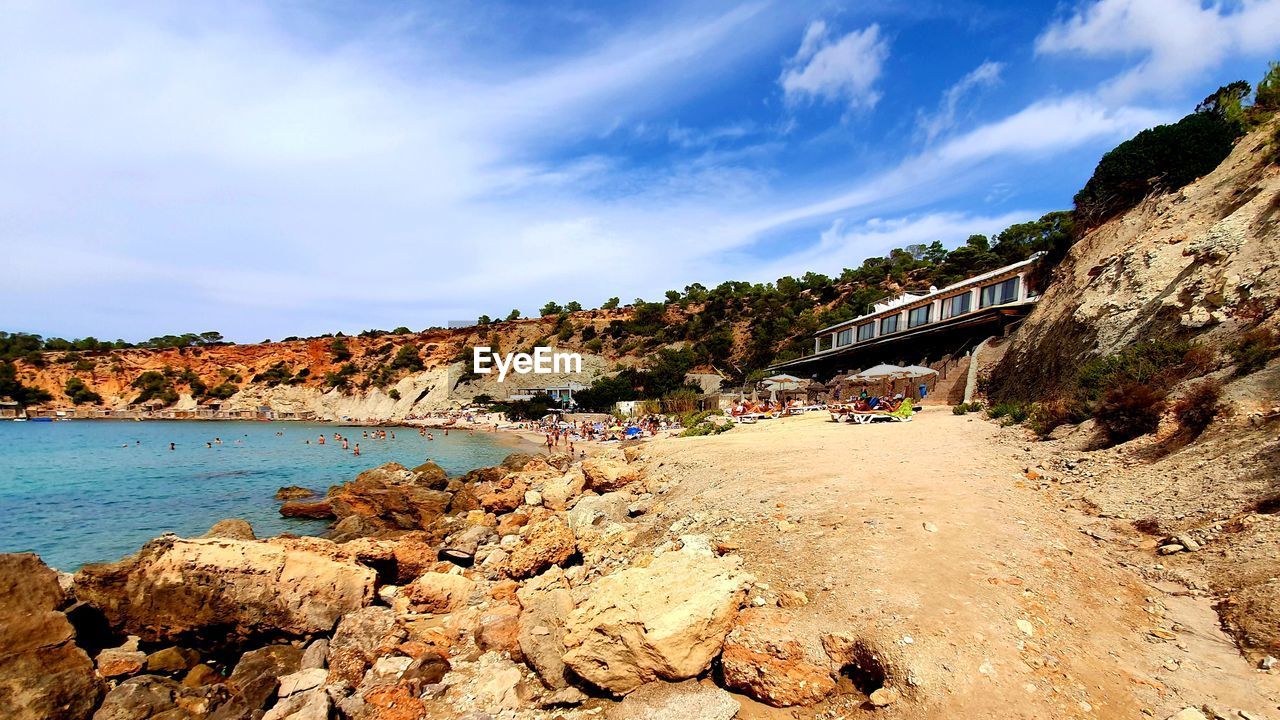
{"x": 924, "y": 541}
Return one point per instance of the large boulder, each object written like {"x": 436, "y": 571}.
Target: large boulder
{"x": 233, "y": 528}
{"x": 256, "y": 677}
{"x": 665, "y": 621}
{"x": 439, "y": 592}
{"x": 540, "y": 631}
{"x": 544, "y": 543}
{"x": 559, "y": 492}
{"x": 772, "y": 661}
{"x": 217, "y": 591}
{"x": 606, "y": 473}
{"x": 391, "y": 494}
{"x": 314, "y": 510}
{"x": 152, "y": 696}
{"x": 43, "y": 674}
{"x": 371, "y": 631}
{"x": 431, "y": 475}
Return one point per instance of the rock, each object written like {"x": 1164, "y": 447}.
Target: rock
{"x": 439, "y": 592}
{"x": 558, "y": 492}
{"x": 540, "y": 631}
{"x": 393, "y": 702}
{"x": 502, "y": 495}
{"x": 355, "y": 527}
{"x": 413, "y": 558}
{"x": 533, "y": 498}
{"x": 313, "y": 705}
{"x": 392, "y": 495}
{"x": 294, "y": 492}
{"x": 498, "y": 689}
{"x": 212, "y": 588}
{"x": 316, "y": 654}
{"x": 885, "y": 696}
{"x": 373, "y": 631}
{"x": 172, "y": 660}
{"x": 1187, "y": 542}
{"x": 202, "y": 675}
{"x": 605, "y": 473}
{"x": 152, "y": 696}
{"x": 120, "y": 662}
{"x": 1268, "y": 663}
{"x": 791, "y": 599}
{"x": 689, "y": 700}
{"x": 544, "y": 543}
{"x": 497, "y": 631}
{"x": 768, "y": 659}
{"x": 431, "y": 475}
{"x": 301, "y": 681}
{"x": 598, "y": 511}
{"x": 930, "y": 527}
{"x": 1188, "y": 713}
{"x": 667, "y": 620}
{"x": 1171, "y": 549}
{"x": 517, "y": 461}
{"x": 347, "y": 666}
{"x": 43, "y": 674}
{"x": 424, "y": 671}
{"x": 256, "y": 676}
{"x": 460, "y": 547}
{"x": 232, "y": 528}
{"x": 315, "y": 510}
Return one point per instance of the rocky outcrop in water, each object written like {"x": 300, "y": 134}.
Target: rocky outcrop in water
{"x": 210, "y": 588}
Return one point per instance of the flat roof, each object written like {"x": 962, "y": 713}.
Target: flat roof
{"x": 976, "y": 279}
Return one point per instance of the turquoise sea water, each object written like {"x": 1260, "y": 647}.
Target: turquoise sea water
{"x": 90, "y": 491}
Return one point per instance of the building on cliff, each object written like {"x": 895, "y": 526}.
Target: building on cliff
{"x": 918, "y": 328}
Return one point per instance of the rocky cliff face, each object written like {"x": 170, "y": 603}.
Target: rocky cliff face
{"x": 443, "y": 381}
{"x": 1202, "y": 262}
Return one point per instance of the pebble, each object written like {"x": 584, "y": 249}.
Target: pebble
{"x": 1026, "y": 627}
{"x": 930, "y": 527}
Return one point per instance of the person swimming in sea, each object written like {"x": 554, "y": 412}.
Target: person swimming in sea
{"x": 320, "y": 440}
{"x": 217, "y": 441}
{"x": 357, "y": 450}
{"x": 344, "y": 444}
{"x": 171, "y": 446}
{"x": 209, "y": 445}
{"x": 430, "y": 436}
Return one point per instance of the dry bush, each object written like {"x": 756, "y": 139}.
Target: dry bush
{"x": 1199, "y": 406}
{"x": 1129, "y": 410}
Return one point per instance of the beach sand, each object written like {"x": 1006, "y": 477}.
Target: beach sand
{"x": 980, "y": 595}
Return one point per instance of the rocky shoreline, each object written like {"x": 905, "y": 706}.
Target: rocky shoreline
{"x": 541, "y": 587}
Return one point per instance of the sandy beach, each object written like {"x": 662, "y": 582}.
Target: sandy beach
{"x": 928, "y": 542}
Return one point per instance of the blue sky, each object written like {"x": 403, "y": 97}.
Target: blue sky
{"x": 297, "y": 168}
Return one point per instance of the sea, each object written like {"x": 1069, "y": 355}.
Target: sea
{"x": 83, "y": 491}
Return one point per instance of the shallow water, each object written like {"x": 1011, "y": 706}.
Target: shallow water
{"x": 95, "y": 490}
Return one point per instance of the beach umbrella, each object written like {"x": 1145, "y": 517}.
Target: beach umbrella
{"x": 881, "y": 372}
{"x": 919, "y": 370}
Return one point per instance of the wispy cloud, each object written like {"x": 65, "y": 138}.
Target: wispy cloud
{"x": 836, "y": 69}
{"x": 1178, "y": 41}
{"x": 933, "y": 124}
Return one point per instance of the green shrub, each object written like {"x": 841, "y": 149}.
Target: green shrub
{"x": 223, "y": 391}
{"x": 1129, "y": 410}
{"x": 960, "y": 409}
{"x": 1049, "y": 414}
{"x": 1012, "y": 412}
{"x": 1268, "y": 92}
{"x": 1152, "y": 362}
{"x": 408, "y": 357}
{"x": 79, "y": 393}
{"x": 706, "y": 427}
{"x": 156, "y": 385}
{"x": 1199, "y": 406}
{"x": 1254, "y": 350}
{"x": 1165, "y": 158}
{"x": 394, "y": 394}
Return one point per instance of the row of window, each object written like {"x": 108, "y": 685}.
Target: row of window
{"x": 996, "y": 294}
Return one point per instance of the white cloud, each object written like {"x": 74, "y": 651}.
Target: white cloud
{"x": 1178, "y": 41}
{"x": 845, "y": 244}
{"x": 843, "y": 69}
{"x": 944, "y": 118}
{"x": 1039, "y": 130}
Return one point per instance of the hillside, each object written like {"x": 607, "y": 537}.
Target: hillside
{"x": 1173, "y": 303}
